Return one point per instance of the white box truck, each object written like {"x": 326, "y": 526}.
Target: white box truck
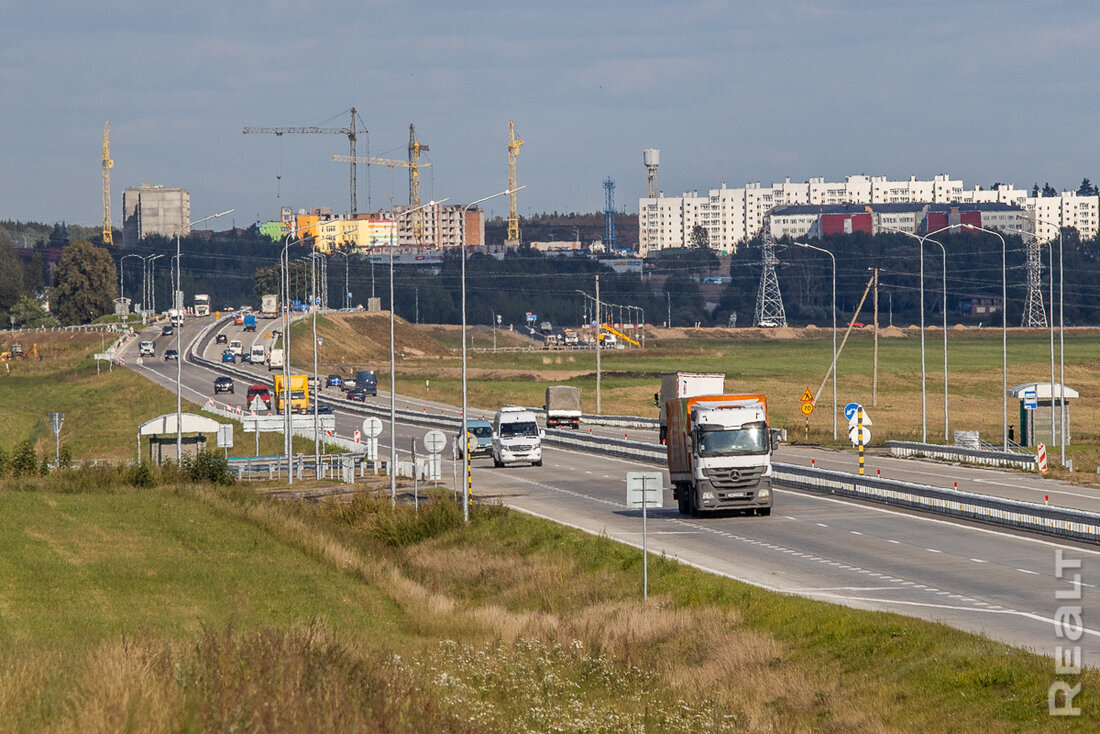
{"x": 275, "y": 360}
{"x": 563, "y": 406}
{"x": 686, "y": 385}
{"x": 719, "y": 451}
{"x": 269, "y": 306}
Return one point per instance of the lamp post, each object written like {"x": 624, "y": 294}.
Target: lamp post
{"x": 177, "y": 303}
{"x": 833, "y": 258}
{"x": 466, "y": 474}
{"x": 393, "y": 361}
{"x": 147, "y": 285}
{"x": 1004, "y": 329}
{"x": 347, "y": 293}
{"x": 122, "y": 276}
{"x": 1050, "y": 324}
{"x": 923, "y": 371}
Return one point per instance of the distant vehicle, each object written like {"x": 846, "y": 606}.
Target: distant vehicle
{"x": 167, "y": 330}
{"x": 275, "y": 360}
{"x": 571, "y": 338}
{"x": 260, "y": 391}
{"x": 202, "y": 304}
{"x": 171, "y": 354}
{"x": 258, "y": 354}
{"x": 358, "y": 394}
{"x": 175, "y": 317}
{"x": 221, "y": 339}
{"x": 250, "y": 322}
{"x": 228, "y": 356}
{"x": 545, "y": 327}
{"x": 147, "y": 349}
{"x": 333, "y": 381}
{"x": 321, "y": 409}
{"x": 563, "y": 406}
{"x": 223, "y": 384}
{"x": 238, "y": 318}
{"x": 367, "y": 380}
{"x": 269, "y": 307}
{"x": 299, "y": 393}
{"x": 348, "y": 384}
{"x": 517, "y": 437}
{"x": 236, "y": 346}
{"x": 482, "y": 442}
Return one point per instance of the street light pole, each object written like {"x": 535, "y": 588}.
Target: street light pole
{"x": 833, "y": 258}
{"x": 1004, "y": 329}
{"x": 393, "y": 361}
{"x": 177, "y": 303}
{"x": 467, "y": 472}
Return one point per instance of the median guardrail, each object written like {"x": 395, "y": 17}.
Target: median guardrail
{"x": 1027, "y": 462}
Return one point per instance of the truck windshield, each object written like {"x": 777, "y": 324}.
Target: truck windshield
{"x": 514, "y": 430}
{"x": 752, "y": 438}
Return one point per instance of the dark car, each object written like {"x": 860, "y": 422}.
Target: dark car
{"x": 171, "y": 354}
{"x": 167, "y": 330}
{"x": 358, "y": 394}
{"x": 227, "y": 356}
{"x": 333, "y": 381}
{"x": 223, "y": 384}
{"x": 221, "y": 339}
{"x": 322, "y": 409}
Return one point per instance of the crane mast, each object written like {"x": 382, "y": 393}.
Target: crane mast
{"x": 108, "y": 164}
{"x": 513, "y": 217}
{"x": 388, "y": 163}
{"x": 351, "y": 131}
{"x": 414, "y": 185}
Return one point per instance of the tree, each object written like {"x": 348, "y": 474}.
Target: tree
{"x": 29, "y": 314}
{"x": 11, "y": 276}
{"x": 699, "y": 237}
{"x": 1049, "y": 190}
{"x": 87, "y": 283}
{"x": 1087, "y": 189}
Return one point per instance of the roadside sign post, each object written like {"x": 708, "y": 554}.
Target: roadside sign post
{"x": 434, "y": 442}
{"x": 56, "y": 420}
{"x": 807, "y": 408}
{"x": 225, "y": 437}
{"x": 372, "y": 429}
{"x": 644, "y": 488}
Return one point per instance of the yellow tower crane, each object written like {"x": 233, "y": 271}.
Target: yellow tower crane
{"x": 415, "y": 147}
{"x": 414, "y": 173}
{"x": 513, "y": 217}
{"x": 108, "y": 164}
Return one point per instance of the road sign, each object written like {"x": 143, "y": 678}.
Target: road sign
{"x": 853, "y": 435}
{"x": 257, "y": 403}
{"x": 850, "y": 410}
{"x": 435, "y": 442}
{"x": 372, "y": 427}
{"x": 807, "y": 408}
{"x": 644, "y": 488}
{"x": 1031, "y": 400}
{"x": 225, "y": 436}
{"x": 854, "y": 420}
{"x": 358, "y": 437}
{"x": 807, "y": 397}
{"x": 1041, "y": 458}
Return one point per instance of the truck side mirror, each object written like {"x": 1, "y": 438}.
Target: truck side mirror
{"x": 775, "y": 439}
{"x": 542, "y": 433}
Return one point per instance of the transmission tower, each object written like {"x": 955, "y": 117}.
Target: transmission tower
{"x": 1034, "y": 316}
{"x": 769, "y": 302}
{"x": 609, "y": 215}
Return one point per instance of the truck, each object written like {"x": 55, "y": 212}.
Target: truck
{"x": 269, "y": 306}
{"x": 367, "y": 380}
{"x": 563, "y": 406}
{"x": 299, "y": 393}
{"x": 175, "y": 317}
{"x": 249, "y": 322}
{"x": 202, "y": 304}
{"x": 719, "y": 450}
{"x": 686, "y": 385}
{"x": 275, "y": 359}
{"x": 571, "y": 338}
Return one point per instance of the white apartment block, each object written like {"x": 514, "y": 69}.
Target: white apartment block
{"x": 733, "y": 216}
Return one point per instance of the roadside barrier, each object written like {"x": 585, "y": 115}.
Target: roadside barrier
{"x": 1024, "y": 461}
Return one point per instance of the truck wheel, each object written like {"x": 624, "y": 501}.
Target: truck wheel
{"x": 764, "y": 511}
{"x": 682, "y": 503}
{"x": 537, "y": 463}
{"x": 693, "y": 504}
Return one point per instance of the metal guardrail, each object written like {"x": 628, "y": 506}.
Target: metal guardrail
{"x": 1061, "y": 522}
{"x": 1027, "y": 462}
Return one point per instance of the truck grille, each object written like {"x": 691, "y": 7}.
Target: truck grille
{"x": 739, "y": 478}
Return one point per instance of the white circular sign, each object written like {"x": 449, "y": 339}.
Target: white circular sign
{"x": 140, "y": 361}
{"x": 372, "y": 427}
{"x": 435, "y": 442}
{"x": 853, "y": 435}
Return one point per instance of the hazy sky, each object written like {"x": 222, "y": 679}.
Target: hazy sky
{"x": 985, "y": 90}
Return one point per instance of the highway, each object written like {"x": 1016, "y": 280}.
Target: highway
{"x": 972, "y": 577}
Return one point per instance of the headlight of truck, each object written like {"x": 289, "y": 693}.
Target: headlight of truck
{"x": 764, "y": 494}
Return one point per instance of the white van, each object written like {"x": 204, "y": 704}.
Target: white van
{"x": 517, "y": 438}
{"x": 275, "y": 360}
{"x": 258, "y": 354}
{"x": 236, "y": 347}
{"x": 147, "y": 349}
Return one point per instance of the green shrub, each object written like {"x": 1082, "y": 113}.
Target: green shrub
{"x": 405, "y": 525}
{"x": 208, "y": 466}
{"x": 24, "y": 462}
{"x": 140, "y": 475}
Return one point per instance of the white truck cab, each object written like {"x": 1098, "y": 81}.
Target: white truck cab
{"x": 236, "y": 346}
{"x": 517, "y": 438}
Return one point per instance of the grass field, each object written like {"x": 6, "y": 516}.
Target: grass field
{"x": 190, "y": 608}
{"x": 753, "y": 361}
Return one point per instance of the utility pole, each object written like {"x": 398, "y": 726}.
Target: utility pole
{"x": 599, "y": 333}
{"x": 874, "y": 372}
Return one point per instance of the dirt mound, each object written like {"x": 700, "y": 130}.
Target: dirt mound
{"x": 892, "y": 331}
{"x": 364, "y": 338}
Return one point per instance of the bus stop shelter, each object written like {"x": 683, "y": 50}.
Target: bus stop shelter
{"x": 162, "y": 436}
{"x": 1037, "y": 401}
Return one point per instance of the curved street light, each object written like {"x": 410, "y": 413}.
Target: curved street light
{"x": 833, "y": 258}
{"x": 1004, "y": 329}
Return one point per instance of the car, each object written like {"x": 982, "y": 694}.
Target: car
{"x": 227, "y": 356}
{"x": 333, "y": 381}
{"x": 261, "y": 391}
{"x": 171, "y": 354}
{"x": 221, "y": 339}
{"x": 482, "y": 442}
{"x": 358, "y": 394}
{"x": 147, "y": 349}
{"x": 322, "y": 409}
{"x": 167, "y": 330}
{"x": 348, "y": 384}
{"x": 223, "y": 384}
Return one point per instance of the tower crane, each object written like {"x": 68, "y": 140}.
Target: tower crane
{"x": 513, "y": 217}
{"x": 351, "y": 131}
{"x": 108, "y": 164}
{"x": 415, "y": 147}
{"x": 414, "y": 171}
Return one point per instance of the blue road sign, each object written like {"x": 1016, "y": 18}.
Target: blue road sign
{"x": 850, "y": 410}
{"x": 1031, "y": 400}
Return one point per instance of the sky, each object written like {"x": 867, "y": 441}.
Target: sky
{"x": 729, "y": 92}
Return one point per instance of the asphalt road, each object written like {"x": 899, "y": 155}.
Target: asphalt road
{"x": 972, "y": 577}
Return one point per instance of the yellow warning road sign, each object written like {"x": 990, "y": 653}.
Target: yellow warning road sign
{"x": 807, "y": 397}
{"x": 807, "y": 408}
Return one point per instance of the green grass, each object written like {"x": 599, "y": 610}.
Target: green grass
{"x": 190, "y": 608}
